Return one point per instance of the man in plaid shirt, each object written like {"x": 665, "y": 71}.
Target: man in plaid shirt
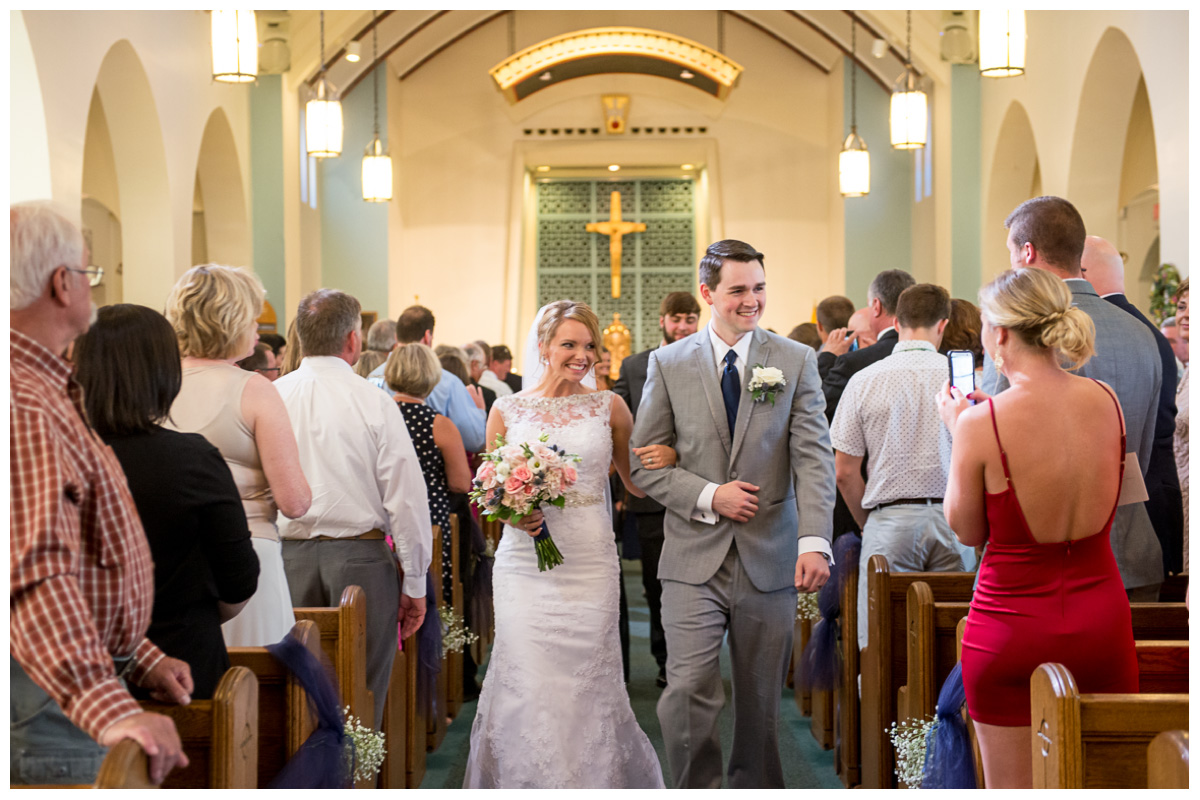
{"x": 81, "y": 579}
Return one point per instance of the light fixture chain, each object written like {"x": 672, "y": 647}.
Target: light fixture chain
{"x": 375, "y": 67}
{"x": 322, "y": 41}
{"x": 720, "y": 31}
{"x": 853, "y": 75}
{"x": 909, "y": 39}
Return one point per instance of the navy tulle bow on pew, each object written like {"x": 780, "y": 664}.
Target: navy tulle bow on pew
{"x": 429, "y": 646}
{"x": 949, "y": 757}
{"x": 321, "y": 762}
{"x": 820, "y": 658}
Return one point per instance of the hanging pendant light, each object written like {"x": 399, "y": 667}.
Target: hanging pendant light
{"x": 234, "y": 46}
{"x": 910, "y": 105}
{"x": 854, "y": 162}
{"x": 377, "y": 164}
{"x": 323, "y": 114}
{"x": 1001, "y": 43}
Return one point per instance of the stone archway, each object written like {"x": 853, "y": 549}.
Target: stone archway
{"x": 1101, "y": 125}
{"x": 225, "y": 228}
{"x": 1015, "y": 178}
{"x": 140, "y": 163}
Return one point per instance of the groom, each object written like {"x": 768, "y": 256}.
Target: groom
{"x": 751, "y": 478}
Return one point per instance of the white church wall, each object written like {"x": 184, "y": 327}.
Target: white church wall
{"x": 457, "y": 159}
{"x": 172, "y": 49}
{"x": 29, "y": 151}
{"x": 1061, "y": 46}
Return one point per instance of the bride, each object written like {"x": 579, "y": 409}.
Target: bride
{"x": 554, "y": 712}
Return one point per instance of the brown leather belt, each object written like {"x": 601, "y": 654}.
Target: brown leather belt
{"x": 912, "y": 501}
{"x": 374, "y": 535}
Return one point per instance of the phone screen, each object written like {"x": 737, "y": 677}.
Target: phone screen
{"x": 962, "y": 370}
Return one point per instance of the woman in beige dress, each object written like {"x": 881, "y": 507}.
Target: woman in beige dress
{"x": 214, "y": 312}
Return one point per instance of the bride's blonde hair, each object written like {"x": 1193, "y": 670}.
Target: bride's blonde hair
{"x": 562, "y": 310}
{"x": 1036, "y": 306}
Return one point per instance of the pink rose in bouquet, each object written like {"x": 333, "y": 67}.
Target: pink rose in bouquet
{"x": 514, "y": 480}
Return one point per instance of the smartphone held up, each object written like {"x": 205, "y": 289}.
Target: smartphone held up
{"x": 962, "y": 371}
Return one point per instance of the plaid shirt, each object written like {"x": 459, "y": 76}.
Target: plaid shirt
{"x": 81, "y": 577}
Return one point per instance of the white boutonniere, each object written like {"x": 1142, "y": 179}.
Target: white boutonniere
{"x": 765, "y": 383}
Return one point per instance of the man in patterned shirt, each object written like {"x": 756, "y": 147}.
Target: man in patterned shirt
{"x": 80, "y": 575}
{"x": 888, "y": 414}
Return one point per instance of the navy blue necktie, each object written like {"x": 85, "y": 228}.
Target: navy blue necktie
{"x": 731, "y": 389}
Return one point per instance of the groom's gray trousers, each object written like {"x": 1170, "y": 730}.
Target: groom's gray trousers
{"x": 760, "y": 624}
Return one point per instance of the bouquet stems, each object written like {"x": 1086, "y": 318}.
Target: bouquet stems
{"x": 547, "y": 552}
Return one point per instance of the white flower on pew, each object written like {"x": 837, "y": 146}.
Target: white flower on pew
{"x": 909, "y": 738}
{"x": 455, "y": 633}
{"x": 806, "y": 606}
{"x": 364, "y": 749}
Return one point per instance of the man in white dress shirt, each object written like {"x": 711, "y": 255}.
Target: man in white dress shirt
{"x": 366, "y": 483}
{"x": 888, "y": 414}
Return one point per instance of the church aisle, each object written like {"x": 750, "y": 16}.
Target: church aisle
{"x": 805, "y": 764}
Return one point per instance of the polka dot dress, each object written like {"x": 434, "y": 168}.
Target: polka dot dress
{"x": 419, "y": 419}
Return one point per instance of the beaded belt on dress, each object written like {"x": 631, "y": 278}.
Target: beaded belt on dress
{"x": 577, "y": 499}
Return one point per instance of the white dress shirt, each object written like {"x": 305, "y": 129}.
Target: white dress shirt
{"x": 704, "y": 511}
{"x": 889, "y": 413}
{"x": 360, "y": 463}
{"x": 489, "y": 379}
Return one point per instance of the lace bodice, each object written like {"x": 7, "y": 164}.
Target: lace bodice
{"x": 578, "y": 424}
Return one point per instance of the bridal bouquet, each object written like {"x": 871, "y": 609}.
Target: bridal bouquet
{"x": 514, "y": 480}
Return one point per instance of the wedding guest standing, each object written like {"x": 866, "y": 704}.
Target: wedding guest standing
{"x": 213, "y": 310}
{"x": 204, "y": 565}
{"x": 1049, "y": 588}
{"x": 411, "y": 372}
{"x": 1183, "y": 415}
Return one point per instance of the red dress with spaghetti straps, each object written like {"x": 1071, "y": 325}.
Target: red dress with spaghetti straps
{"x": 1035, "y": 603}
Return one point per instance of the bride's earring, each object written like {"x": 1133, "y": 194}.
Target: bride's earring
{"x": 998, "y": 360}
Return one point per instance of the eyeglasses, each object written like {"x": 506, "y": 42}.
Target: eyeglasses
{"x": 95, "y": 274}
{"x": 267, "y": 369}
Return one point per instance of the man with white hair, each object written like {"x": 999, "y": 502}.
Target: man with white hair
{"x": 81, "y": 581}
{"x": 476, "y": 366}
{"x": 1104, "y": 269}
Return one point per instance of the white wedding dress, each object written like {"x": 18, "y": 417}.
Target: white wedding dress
{"x": 554, "y": 712}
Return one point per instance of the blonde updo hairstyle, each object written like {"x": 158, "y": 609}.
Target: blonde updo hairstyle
{"x": 562, "y": 310}
{"x": 1036, "y": 307}
{"x": 211, "y": 308}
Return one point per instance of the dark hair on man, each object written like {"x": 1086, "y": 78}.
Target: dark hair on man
{"x": 128, "y": 366}
{"x": 413, "y": 323}
{"x": 500, "y": 352}
{"x": 274, "y": 341}
{"x": 965, "y": 330}
{"x": 324, "y": 319}
{"x": 834, "y": 312}
{"x": 678, "y": 303}
{"x": 256, "y": 360}
{"x": 453, "y": 363}
{"x": 720, "y": 252}
{"x": 887, "y": 288}
{"x": 923, "y": 306}
{"x": 806, "y": 333}
{"x": 1055, "y": 229}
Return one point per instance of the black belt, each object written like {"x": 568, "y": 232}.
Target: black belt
{"x": 911, "y": 501}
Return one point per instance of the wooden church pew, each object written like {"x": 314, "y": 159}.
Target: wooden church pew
{"x": 1167, "y": 758}
{"x": 884, "y": 661}
{"x": 219, "y": 736}
{"x": 285, "y": 718}
{"x": 1094, "y": 741}
{"x": 800, "y": 634}
{"x": 454, "y": 662}
{"x": 394, "y": 725}
{"x": 435, "y": 714}
{"x": 847, "y": 755}
{"x": 343, "y": 634}
{"x": 415, "y": 727}
{"x": 126, "y": 767}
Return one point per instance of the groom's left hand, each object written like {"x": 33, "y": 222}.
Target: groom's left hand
{"x": 812, "y": 571}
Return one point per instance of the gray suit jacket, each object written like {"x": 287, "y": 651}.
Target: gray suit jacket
{"x": 1127, "y": 360}
{"x": 783, "y": 449}
{"x": 629, "y": 386}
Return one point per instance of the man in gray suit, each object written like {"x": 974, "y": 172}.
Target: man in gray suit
{"x": 751, "y": 478}
{"x": 1048, "y": 233}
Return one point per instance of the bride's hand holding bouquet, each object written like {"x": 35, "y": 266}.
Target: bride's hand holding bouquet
{"x": 515, "y": 480}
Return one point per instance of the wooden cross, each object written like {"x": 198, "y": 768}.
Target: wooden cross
{"x": 614, "y": 229}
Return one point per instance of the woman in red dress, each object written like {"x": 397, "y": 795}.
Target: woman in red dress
{"x": 1035, "y": 474}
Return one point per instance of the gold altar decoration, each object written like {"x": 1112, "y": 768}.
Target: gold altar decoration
{"x": 614, "y": 229}
{"x": 597, "y": 51}
{"x": 616, "y": 112}
{"x": 619, "y": 343}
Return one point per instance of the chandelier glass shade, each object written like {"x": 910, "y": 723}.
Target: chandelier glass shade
{"x": 234, "y": 47}
{"x": 854, "y": 167}
{"x": 1001, "y": 43}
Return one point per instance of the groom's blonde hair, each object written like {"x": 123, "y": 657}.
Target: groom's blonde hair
{"x": 561, "y": 310}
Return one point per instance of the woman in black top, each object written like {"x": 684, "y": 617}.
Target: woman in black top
{"x": 204, "y": 566}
